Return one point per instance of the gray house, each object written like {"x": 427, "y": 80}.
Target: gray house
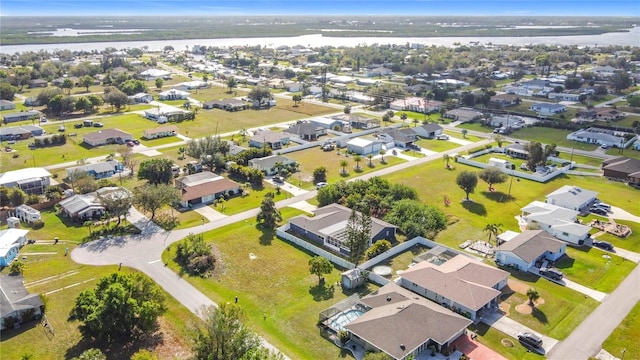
{"x": 268, "y": 164}
{"x": 525, "y": 249}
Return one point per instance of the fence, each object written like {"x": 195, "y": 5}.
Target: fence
{"x": 281, "y": 232}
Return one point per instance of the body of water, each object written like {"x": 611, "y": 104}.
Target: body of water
{"x": 630, "y": 38}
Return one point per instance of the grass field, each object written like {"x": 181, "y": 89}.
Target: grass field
{"x": 551, "y": 136}
{"x": 625, "y": 337}
{"x": 436, "y": 145}
{"x": 62, "y": 280}
{"x": 282, "y": 302}
{"x": 492, "y": 338}
{"x": 589, "y": 268}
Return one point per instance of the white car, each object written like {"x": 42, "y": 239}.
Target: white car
{"x": 320, "y": 185}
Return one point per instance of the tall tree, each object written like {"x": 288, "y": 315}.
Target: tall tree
{"x": 86, "y": 81}
{"x": 467, "y": 181}
{"x": 492, "y": 175}
{"x": 156, "y": 171}
{"x": 128, "y": 158}
{"x": 120, "y": 306}
{"x": 296, "y": 99}
{"x": 117, "y": 203}
{"x": 151, "y": 198}
{"x": 493, "y": 230}
{"x": 269, "y": 215}
{"x": 343, "y": 165}
{"x": 358, "y": 235}
{"x": 414, "y": 218}
{"x": 224, "y": 336}
{"x": 536, "y": 155}
{"x": 67, "y": 84}
{"x": 115, "y": 97}
{"x": 231, "y": 84}
{"x": 159, "y": 83}
{"x": 7, "y": 91}
{"x": 319, "y": 265}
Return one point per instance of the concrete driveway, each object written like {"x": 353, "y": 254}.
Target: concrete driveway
{"x": 510, "y": 327}
{"x": 621, "y": 214}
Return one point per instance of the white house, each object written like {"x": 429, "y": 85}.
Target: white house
{"x": 525, "y": 249}
{"x": 141, "y": 98}
{"x": 27, "y": 214}
{"x": 87, "y": 206}
{"x": 572, "y": 197}
{"x": 601, "y": 136}
{"x": 152, "y": 74}
{"x": 555, "y": 220}
{"x": 173, "y": 94}
{"x": 268, "y": 164}
{"x": 564, "y": 96}
{"x": 364, "y": 146}
{"x": 500, "y": 163}
{"x": 31, "y": 180}
{"x": 548, "y": 109}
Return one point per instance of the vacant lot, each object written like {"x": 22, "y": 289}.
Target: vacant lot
{"x": 625, "y": 337}
{"x": 551, "y": 136}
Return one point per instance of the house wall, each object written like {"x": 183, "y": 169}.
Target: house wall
{"x": 508, "y": 258}
{"x": 281, "y": 232}
{"x": 11, "y": 254}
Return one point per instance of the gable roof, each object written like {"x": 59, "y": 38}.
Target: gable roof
{"x": 466, "y": 281}
{"x": 99, "y": 167}
{"x": 404, "y": 323}
{"x": 14, "y": 296}
{"x": 204, "y": 188}
{"x": 107, "y": 134}
{"x": 531, "y": 244}
{"x": 23, "y": 174}
{"x": 558, "y": 218}
{"x": 622, "y": 164}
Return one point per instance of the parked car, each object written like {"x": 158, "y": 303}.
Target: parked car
{"x": 602, "y": 205}
{"x": 604, "y": 146}
{"x": 278, "y": 179}
{"x": 98, "y": 124}
{"x": 136, "y": 141}
{"x": 77, "y": 126}
{"x": 130, "y": 143}
{"x": 603, "y": 245}
{"x": 530, "y": 338}
{"x": 551, "y": 273}
{"x": 61, "y": 128}
{"x": 598, "y": 211}
{"x": 321, "y": 184}
{"x": 534, "y": 349}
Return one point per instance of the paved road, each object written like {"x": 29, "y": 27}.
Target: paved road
{"x": 586, "y": 340}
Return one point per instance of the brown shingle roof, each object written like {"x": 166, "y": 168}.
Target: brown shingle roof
{"x": 208, "y": 188}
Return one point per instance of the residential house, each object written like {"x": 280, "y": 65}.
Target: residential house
{"x": 377, "y": 71}
{"x": 7, "y": 105}
{"x": 160, "y": 132}
{"x": 20, "y": 132}
{"x": 59, "y": 81}
{"x": 563, "y": 96}
{"x": 601, "y": 136}
{"x": 21, "y": 116}
{"x": 572, "y": 197}
{"x": 31, "y": 180}
{"x": 38, "y": 83}
{"x": 11, "y": 240}
{"x": 99, "y": 170}
{"x": 358, "y": 122}
{"x": 173, "y": 94}
{"x": 451, "y": 83}
{"x": 608, "y": 114}
{"x": 27, "y": 214}
{"x": 164, "y": 115}
{"x": 463, "y": 284}
{"x": 398, "y": 137}
{"x": 272, "y": 139}
{"x": 226, "y": 104}
{"x": 503, "y": 100}
{"x": 269, "y": 164}
{"x": 507, "y": 121}
{"x": 83, "y": 207}
{"x": 363, "y": 146}
{"x": 328, "y": 227}
{"x": 204, "y": 188}
{"x": 141, "y": 98}
{"x": 428, "y": 131}
{"x": 529, "y": 247}
{"x": 622, "y": 168}
{"x": 192, "y": 85}
{"x": 463, "y": 114}
{"x": 518, "y": 151}
{"x": 152, "y": 74}
{"x": 107, "y": 136}
{"x": 329, "y": 123}
{"x": 424, "y": 106}
{"x": 555, "y": 220}
{"x": 342, "y": 79}
{"x": 16, "y": 303}
{"x": 400, "y": 324}
{"x": 293, "y": 86}
{"x": 306, "y": 131}
{"x": 548, "y": 109}
{"x": 31, "y": 101}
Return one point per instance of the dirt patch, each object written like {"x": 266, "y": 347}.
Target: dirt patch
{"x": 527, "y": 309}
{"x": 172, "y": 345}
{"x": 505, "y": 307}
{"x": 518, "y": 286}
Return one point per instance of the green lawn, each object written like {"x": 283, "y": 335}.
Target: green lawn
{"x": 458, "y": 135}
{"x": 492, "y": 338}
{"x": 589, "y": 268}
{"x": 631, "y": 243}
{"x": 551, "y": 136}
{"x": 437, "y": 145}
{"x": 253, "y": 200}
{"x": 287, "y": 296}
{"x": 215, "y": 93}
{"x": 55, "y": 272}
{"x": 627, "y": 152}
{"x": 625, "y": 336}
{"x": 475, "y": 126}
{"x": 580, "y": 159}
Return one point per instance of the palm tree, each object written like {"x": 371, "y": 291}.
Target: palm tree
{"x": 403, "y": 117}
{"x": 343, "y": 164}
{"x": 357, "y": 159}
{"x": 381, "y": 152}
{"x": 370, "y": 156}
{"x": 533, "y": 295}
{"x": 493, "y": 230}
{"x": 446, "y": 158}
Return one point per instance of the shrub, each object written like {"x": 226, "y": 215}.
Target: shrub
{"x": 38, "y": 224}
{"x": 343, "y": 336}
{"x": 195, "y": 255}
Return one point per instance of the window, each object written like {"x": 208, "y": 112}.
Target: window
{"x": 565, "y": 234}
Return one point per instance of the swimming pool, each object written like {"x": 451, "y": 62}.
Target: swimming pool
{"x": 343, "y": 319}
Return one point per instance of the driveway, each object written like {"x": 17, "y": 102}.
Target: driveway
{"x": 621, "y": 214}
{"x": 510, "y": 327}
{"x": 595, "y": 294}
{"x": 209, "y": 213}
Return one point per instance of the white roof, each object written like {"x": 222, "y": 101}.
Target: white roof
{"x": 9, "y": 236}
{"x": 324, "y": 120}
{"x": 155, "y": 73}
{"x": 572, "y": 195}
{"x": 508, "y": 235}
{"x": 359, "y": 142}
{"x": 174, "y": 91}
{"x": 23, "y": 174}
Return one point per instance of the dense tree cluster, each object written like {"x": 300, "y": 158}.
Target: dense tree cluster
{"x": 414, "y": 218}
{"x": 52, "y": 140}
{"x": 195, "y": 255}
{"x": 246, "y": 173}
{"x": 156, "y": 171}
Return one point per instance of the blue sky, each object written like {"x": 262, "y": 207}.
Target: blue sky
{"x": 316, "y": 7}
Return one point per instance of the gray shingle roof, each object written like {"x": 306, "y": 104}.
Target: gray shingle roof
{"x": 531, "y": 244}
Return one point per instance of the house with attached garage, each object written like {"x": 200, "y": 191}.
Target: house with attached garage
{"x": 401, "y": 324}
{"x": 173, "y": 94}
{"x": 601, "y": 136}
{"x": 306, "y": 131}
{"x": 503, "y": 100}
{"x": 160, "y": 132}
{"x": 328, "y": 228}
{"x": 107, "y": 136}
{"x": 623, "y": 169}
{"x": 226, "y": 104}
{"x": 269, "y": 164}
{"x": 21, "y": 116}
{"x": 428, "y": 131}
{"x": 87, "y": 206}
{"x": 363, "y": 146}
{"x": 463, "y": 114}
{"x": 204, "y": 188}
{"x": 141, "y": 98}
{"x": 152, "y": 74}
{"x": 17, "y": 306}
{"x": 527, "y": 248}
{"x": 398, "y": 137}
{"x": 463, "y": 284}
{"x": 555, "y": 220}
{"x": 271, "y": 139}
{"x": 572, "y": 197}
{"x": 548, "y": 109}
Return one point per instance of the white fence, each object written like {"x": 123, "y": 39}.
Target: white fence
{"x": 281, "y": 232}
{"x": 396, "y": 250}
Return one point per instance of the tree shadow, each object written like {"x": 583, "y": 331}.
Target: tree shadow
{"x": 266, "y": 236}
{"x": 118, "y": 349}
{"x": 497, "y": 196}
{"x": 565, "y": 262}
{"x": 475, "y": 208}
{"x": 539, "y": 315}
{"x": 322, "y": 291}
